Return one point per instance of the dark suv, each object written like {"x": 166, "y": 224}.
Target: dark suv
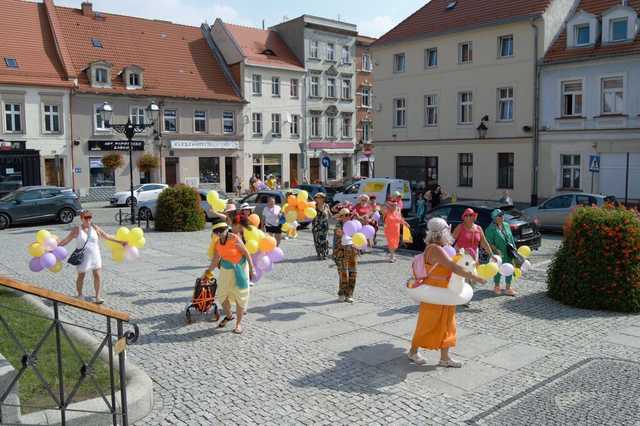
{"x": 39, "y": 204}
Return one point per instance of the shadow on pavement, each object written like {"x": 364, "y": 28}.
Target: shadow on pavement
{"x": 268, "y": 315}
{"x": 161, "y": 300}
{"x": 541, "y": 306}
{"x": 183, "y": 268}
{"x": 410, "y": 309}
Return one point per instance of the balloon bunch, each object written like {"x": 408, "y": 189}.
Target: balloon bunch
{"x": 46, "y": 253}
{"x": 491, "y": 269}
{"x": 216, "y": 203}
{"x": 134, "y": 239}
{"x": 359, "y": 234}
{"x": 264, "y": 251}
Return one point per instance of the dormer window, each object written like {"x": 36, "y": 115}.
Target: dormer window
{"x": 619, "y": 29}
{"x": 582, "y": 30}
{"x": 100, "y": 74}
{"x": 620, "y": 23}
{"x": 582, "y": 34}
{"x": 133, "y": 77}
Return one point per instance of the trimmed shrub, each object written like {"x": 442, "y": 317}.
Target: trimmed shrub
{"x": 179, "y": 210}
{"x": 148, "y": 162}
{"x": 598, "y": 263}
{"x": 113, "y": 161}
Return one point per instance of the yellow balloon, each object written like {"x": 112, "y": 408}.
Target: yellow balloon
{"x": 285, "y": 227}
{"x": 310, "y": 212}
{"x": 57, "y": 267}
{"x": 136, "y": 233}
{"x": 212, "y": 197}
{"x": 493, "y": 269}
{"x": 303, "y": 196}
{"x": 42, "y": 235}
{"x": 219, "y": 205}
{"x": 36, "y": 250}
{"x": 112, "y": 245}
{"x": 359, "y": 240}
{"x": 260, "y": 234}
{"x": 122, "y": 234}
{"x": 517, "y": 273}
{"x": 139, "y": 243}
{"x": 524, "y": 251}
{"x": 252, "y": 246}
{"x": 291, "y": 216}
{"x": 118, "y": 254}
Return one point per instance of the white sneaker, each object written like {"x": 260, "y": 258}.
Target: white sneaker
{"x": 417, "y": 359}
{"x": 349, "y": 299}
{"x": 450, "y": 363}
{"x": 341, "y": 298}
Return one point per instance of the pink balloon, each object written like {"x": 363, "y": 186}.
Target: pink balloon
{"x": 60, "y": 253}
{"x": 450, "y": 251}
{"x": 265, "y": 263}
{"x": 276, "y": 255}
{"x": 257, "y": 275}
{"x": 350, "y": 227}
{"x": 35, "y": 265}
{"x": 131, "y": 253}
{"x": 368, "y": 231}
{"x": 506, "y": 269}
{"x": 48, "y": 260}
{"x": 376, "y": 216}
{"x": 50, "y": 243}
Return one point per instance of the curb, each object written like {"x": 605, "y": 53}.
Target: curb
{"x": 139, "y": 388}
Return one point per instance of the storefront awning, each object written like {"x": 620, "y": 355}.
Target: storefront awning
{"x": 338, "y": 151}
{"x": 205, "y": 145}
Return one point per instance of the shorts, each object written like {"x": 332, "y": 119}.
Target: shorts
{"x": 273, "y": 229}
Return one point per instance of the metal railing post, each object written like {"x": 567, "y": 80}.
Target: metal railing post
{"x": 56, "y": 318}
{"x": 111, "y": 378}
{"x": 123, "y": 379}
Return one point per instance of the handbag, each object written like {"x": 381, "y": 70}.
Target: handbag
{"x": 516, "y": 259}
{"x": 77, "y": 256}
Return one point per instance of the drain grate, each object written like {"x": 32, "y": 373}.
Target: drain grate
{"x": 596, "y": 391}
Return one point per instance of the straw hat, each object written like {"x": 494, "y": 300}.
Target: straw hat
{"x": 343, "y": 213}
{"x": 320, "y": 195}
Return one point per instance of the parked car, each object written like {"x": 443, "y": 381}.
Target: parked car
{"x": 145, "y": 192}
{"x": 10, "y": 183}
{"x": 259, "y": 201}
{"x": 382, "y": 188}
{"x": 552, "y": 213}
{"x": 315, "y": 189}
{"x": 524, "y": 229}
{"x": 147, "y": 209}
{"x": 39, "y": 204}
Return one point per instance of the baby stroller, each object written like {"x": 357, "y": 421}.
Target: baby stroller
{"x": 203, "y": 299}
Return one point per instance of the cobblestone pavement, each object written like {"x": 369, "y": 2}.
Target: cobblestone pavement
{"x": 305, "y": 359}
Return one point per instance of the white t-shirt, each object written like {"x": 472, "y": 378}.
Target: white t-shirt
{"x": 271, "y": 215}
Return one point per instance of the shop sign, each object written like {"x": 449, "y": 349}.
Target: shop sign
{"x": 115, "y": 145}
{"x": 205, "y": 145}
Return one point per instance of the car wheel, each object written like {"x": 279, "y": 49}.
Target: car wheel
{"x": 145, "y": 214}
{"x": 130, "y": 201}
{"x": 66, "y": 215}
{"x": 4, "y": 221}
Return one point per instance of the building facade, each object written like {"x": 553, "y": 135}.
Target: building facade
{"x": 365, "y": 157}
{"x": 590, "y": 103}
{"x": 327, "y": 49}
{"x": 270, "y": 78}
{"x": 454, "y": 100}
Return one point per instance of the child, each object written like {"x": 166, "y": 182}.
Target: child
{"x": 346, "y": 258}
{"x": 421, "y": 207}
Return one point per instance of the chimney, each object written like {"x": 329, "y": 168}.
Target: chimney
{"x": 87, "y": 8}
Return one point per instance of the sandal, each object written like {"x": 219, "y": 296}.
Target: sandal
{"x": 497, "y": 290}
{"x": 238, "y": 330}
{"x": 99, "y": 301}
{"x": 510, "y": 292}
{"x": 225, "y": 320}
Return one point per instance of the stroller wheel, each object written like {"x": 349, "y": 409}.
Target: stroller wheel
{"x": 188, "y": 314}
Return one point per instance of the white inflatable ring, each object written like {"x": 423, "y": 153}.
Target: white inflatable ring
{"x": 440, "y": 296}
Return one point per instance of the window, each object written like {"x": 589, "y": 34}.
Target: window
{"x": 275, "y": 125}
{"x": 314, "y": 48}
{"x": 613, "y": 95}
{"x": 99, "y": 175}
{"x": 96, "y": 42}
{"x": 265, "y": 165}
{"x": 465, "y": 107}
{"x": 134, "y": 79}
{"x": 505, "y": 46}
{"x": 228, "y": 122}
{"x": 295, "y": 126}
{"x": 586, "y": 200}
{"x": 315, "y": 87}
{"x": 315, "y": 126}
{"x": 505, "y": 170}
{"x": 293, "y": 88}
{"x": 331, "y": 52}
{"x": 331, "y": 127}
{"x": 256, "y": 123}
{"x": 170, "y": 120}
{"x": 366, "y": 131}
{"x": 582, "y": 34}
{"x": 465, "y": 52}
{"x": 505, "y": 104}
{"x": 209, "y": 169}
{"x": 431, "y": 58}
{"x": 11, "y": 62}
{"x": 13, "y": 118}
{"x": 346, "y": 55}
{"x": 99, "y": 121}
{"x": 571, "y": 98}
{"x": 421, "y": 172}
{"x": 465, "y": 172}
{"x": 399, "y": 63}
{"x": 331, "y": 87}
{"x": 346, "y": 126}
{"x": 400, "y": 112}
{"x": 136, "y": 115}
{"x": 366, "y": 62}
{"x": 346, "y": 88}
{"x": 366, "y": 97}
{"x": 200, "y": 121}
{"x": 618, "y": 29}
{"x": 102, "y": 76}
{"x": 561, "y": 202}
{"x": 256, "y": 84}
{"x": 275, "y": 86}
{"x": 431, "y": 110}
{"x": 570, "y": 171}
{"x": 52, "y": 119}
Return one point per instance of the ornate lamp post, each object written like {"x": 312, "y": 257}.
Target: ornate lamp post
{"x": 129, "y": 130}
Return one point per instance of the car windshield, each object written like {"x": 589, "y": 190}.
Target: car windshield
{"x": 9, "y": 197}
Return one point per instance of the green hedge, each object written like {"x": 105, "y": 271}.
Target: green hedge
{"x": 179, "y": 210}
{"x": 598, "y": 263}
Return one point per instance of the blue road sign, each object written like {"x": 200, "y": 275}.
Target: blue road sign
{"x": 594, "y": 163}
{"x": 326, "y": 162}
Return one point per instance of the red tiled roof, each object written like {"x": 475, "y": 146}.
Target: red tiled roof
{"x": 434, "y": 18}
{"x": 559, "y": 52}
{"x": 253, "y": 43}
{"x": 176, "y": 59}
{"x": 26, "y": 36}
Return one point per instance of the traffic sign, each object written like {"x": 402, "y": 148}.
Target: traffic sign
{"x": 594, "y": 164}
{"x": 77, "y": 170}
{"x": 326, "y": 162}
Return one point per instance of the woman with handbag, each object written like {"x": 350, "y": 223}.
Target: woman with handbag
{"x": 502, "y": 242}
{"x": 86, "y": 257}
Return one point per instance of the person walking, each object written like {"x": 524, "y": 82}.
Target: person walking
{"x": 87, "y": 236}
{"x": 271, "y": 219}
{"x": 392, "y": 228}
{"x": 421, "y": 207}
{"x": 237, "y": 185}
{"x": 320, "y": 226}
{"x": 363, "y": 211}
{"x": 346, "y": 258}
{"x": 500, "y": 238}
{"x": 436, "y": 325}
{"x": 437, "y": 194}
{"x": 236, "y": 270}
{"x": 470, "y": 237}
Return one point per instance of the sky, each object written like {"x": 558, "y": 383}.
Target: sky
{"x": 373, "y": 17}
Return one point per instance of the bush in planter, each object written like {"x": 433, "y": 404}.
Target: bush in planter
{"x": 112, "y": 161}
{"x": 598, "y": 263}
{"x": 179, "y": 210}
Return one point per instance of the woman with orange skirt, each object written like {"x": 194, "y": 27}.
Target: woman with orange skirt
{"x": 392, "y": 222}
{"x": 436, "y": 326}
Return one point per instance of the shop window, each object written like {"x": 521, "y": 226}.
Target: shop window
{"x": 98, "y": 175}
{"x": 209, "y": 169}
{"x": 267, "y": 164}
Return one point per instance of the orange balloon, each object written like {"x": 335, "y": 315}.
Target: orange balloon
{"x": 254, "y": 219}
{"x": 301, "y": 216}
{"x": 292, "y": 201}
{"x": 268, "y": 244}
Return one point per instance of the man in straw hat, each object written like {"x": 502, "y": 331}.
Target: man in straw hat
{"x": 346, "y": 258}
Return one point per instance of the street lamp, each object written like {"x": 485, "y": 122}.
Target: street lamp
{"x": 129, "y": 130}
{"x": 482, "y": 128}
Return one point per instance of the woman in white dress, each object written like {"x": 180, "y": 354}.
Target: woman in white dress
{"x": 88, "y": 235}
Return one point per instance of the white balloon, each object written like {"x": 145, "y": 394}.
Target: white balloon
{"x": 506, "y": 269}
{"x": 131, "y": 253}
{"x": 50, "y": 244}
{"x": 526, "y": 265}
{"x": 497, "y": 259}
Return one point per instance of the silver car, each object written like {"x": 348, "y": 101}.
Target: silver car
{"x": 553, "y": 213}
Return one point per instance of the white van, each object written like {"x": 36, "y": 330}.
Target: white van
{"x": 382, "y": 188}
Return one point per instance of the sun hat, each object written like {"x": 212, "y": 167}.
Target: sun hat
{"x": 246, "y": 206}
{"x": 496, "y": 213}
{"x": 343, "y": 213}
{"x": 363, "y": 197}
{"x": 397, "y": 194}
{"x": 230, "y": 208}
{"x": 437, "y": 224}
{"x": 469, "y": 212}
{"x": 320, "y": 195}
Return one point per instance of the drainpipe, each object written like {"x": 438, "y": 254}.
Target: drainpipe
{"x": 304, "y": 146}
{"x": 536, "y": 117}
{"x": 71, "y": 146}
